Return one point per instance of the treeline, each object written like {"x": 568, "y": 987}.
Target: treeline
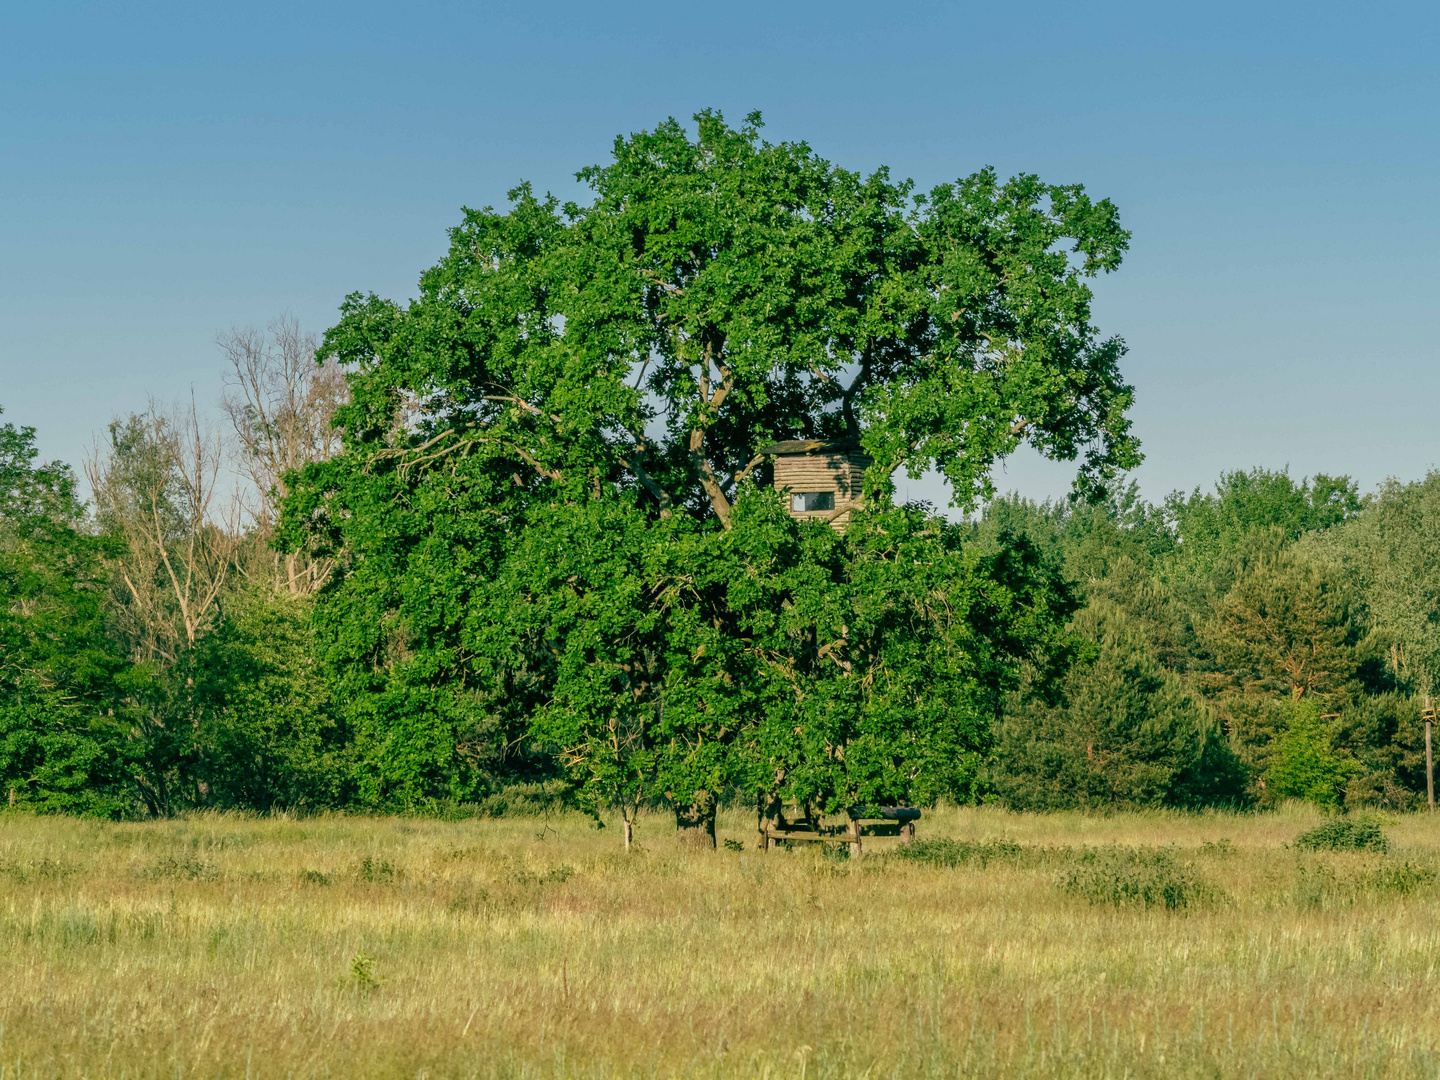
{"x": 156, "y": 653}
{"x": 519, "y": 537}
{"x": 1271, "y": 639}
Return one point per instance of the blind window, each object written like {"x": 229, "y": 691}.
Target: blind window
{"x": 801, "y": 501}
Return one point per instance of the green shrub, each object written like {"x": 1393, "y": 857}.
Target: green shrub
{"x": 188, "y": 868}
{"x": 377, "y": 871}
{"x": 1127, "y": 877}
{"x": 1344, "y": 834}
{"x": 1305, "y": 764}
{"x": 1402, "y": 879}
{"x": 951, "y": 853}
{"x": 1321, "y": 885}
{"x": 362, "y": 971}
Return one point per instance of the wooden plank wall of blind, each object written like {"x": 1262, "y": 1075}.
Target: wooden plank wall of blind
{"x": 842, "y": 473}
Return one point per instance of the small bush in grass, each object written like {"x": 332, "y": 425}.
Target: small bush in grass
{"x": 1404, "y": 879}
{"x": 362, "y": 971}
{"x": 187, "y": 868}
{"x": 377, "y": 871}
{"x": 1319, "y": 884}
{"x": 952, "y": 853}
{"x": 1128, "y": 877}
{"x": 835, "y": 852}
{"x": 1344, "y": 834}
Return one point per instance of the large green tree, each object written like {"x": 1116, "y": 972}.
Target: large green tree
{"x": 618, "y": 366}
{"x": 1210, "y": 525}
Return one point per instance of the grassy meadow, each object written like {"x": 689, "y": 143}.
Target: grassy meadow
{"x": 355, "y": 947}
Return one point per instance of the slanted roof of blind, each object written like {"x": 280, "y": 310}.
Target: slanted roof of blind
{"x": 809, "y": 446}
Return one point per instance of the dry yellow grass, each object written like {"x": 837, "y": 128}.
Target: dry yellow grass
{"x": 352, "y": 947}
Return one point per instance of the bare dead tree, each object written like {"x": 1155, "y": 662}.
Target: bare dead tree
{"x": 281, "y": 404}
{"x": 156, "y": 488}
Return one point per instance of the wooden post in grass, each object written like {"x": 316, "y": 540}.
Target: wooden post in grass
{"x": 1429, "y": 717}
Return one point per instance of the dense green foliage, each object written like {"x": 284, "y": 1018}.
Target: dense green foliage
{"x": 1080, "y": 657}
{"x": 552, "y": 515}
{"x": 547, "y": 554}
{"x": 1344, "y": 834}
{"x": 1265, "y": 641}
{"x": 61, "y": 745}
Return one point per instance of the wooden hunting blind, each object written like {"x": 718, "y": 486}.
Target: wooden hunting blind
{"x": 819, "y": 478}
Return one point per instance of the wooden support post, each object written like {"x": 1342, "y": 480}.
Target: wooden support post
{"x": 907, "y": 833}
{"x": 855, "y": 838}
{"x": 1429, "y": 715}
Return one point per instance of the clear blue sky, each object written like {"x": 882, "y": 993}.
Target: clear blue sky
{"x": 169, "y": 171}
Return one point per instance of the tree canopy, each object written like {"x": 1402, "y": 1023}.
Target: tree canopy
{"x": 531, "y": 544}
{"x": 591, "y": 387}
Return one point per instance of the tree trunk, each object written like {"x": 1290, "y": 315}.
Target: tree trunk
{"x": 629, "y": 829}
{"x": 695, "y": 823}
{"x": 767, "y": 815}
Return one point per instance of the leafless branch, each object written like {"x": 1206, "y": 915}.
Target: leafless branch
{"x": 156, "y": 489}
{"x": 281, "y": 405}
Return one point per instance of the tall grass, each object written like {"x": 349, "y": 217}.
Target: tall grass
{"x": 350, "y": 947}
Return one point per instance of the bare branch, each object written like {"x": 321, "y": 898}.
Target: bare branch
{"x": 281, "y": 405}
{"x": 156, "y": 490}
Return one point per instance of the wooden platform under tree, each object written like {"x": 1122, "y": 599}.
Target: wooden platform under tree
{"x": 802, "y": 825}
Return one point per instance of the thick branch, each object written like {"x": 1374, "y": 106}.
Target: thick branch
{"x": 711, "y": 484}
{"x": 522, "y": 404}
{"x": 847, "y": 399}
{"x": 651, "y": 485}
{"x": 712, "y": 401}
{"x": 406, "y": 466}
{"x": 552, "y": 474}
{"x": 739, "y": 477}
